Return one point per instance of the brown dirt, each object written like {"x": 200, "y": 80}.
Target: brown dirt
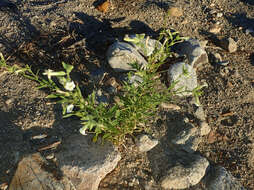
{"x": 43, "y": 34}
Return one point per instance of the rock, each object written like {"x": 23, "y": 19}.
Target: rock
{"x": 120, "y": 55}
{"x": 249, "y": 31}
{"x": 199, "y": 113}
{"x": 32, "y": 173}
{"x": 184, "y": 82}
{"x": 203, "y": 43}
{"x": 228, "y": 44}
{"x": 188, "y": 139}
{"x": 217, "y": 57}
{"x": 169, "y": 106}
{"x": 181, "y": 177}
{"x": 215, "y": 29}
{"x": 204, "y": 128}
{"x": 86, "y": 163}
{"x": 175, "y": 12}
{"x": 147, "y": 45}
{"x": 219, "y": 15}
{"x": 193, "y": 50}
{"x": 177, "y": 169}
{"x": 219, "y": 178}
{"x": 145, "y": 143}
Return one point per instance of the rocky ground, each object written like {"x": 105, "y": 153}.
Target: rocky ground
{"x": 45, "y": 33}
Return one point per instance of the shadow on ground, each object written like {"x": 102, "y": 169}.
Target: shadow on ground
{"x": 249, "y": 2}
{"x": 240, "y": 20}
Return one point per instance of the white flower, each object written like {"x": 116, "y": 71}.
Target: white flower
{"x": 51, "y": 73}
{"x": 69, "y": 86}
{"x": 83, "y": 131}
{"x": 69, "y": 108}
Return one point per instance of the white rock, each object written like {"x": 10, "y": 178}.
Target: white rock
{"x": 86, "y": 163}
{"x": 185, "y": 83}
{"x": 145, "y": 143}
{"x": 120, "y": 55}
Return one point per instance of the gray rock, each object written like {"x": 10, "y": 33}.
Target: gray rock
{"x": 30, "y": 174}
{"x": 145, "y": 143}
{"x": 181, "y": 177}
{"x": 188, "y": 139}
{"x": 184, "y": 82}
{"x": 177, "y": 169}
{"x": 219, "y": 178}
{"x": 86, "y": 163}
{"x": 147, "y": 45}
{"x": 229, "y": 44}
{"x": 120, "y": 55}
{"x": 195, "y": 53}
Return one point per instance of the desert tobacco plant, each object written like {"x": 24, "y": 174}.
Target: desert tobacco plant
{"x": 134, "y": 105}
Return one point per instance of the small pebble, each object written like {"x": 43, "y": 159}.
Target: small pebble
{"x": 50, "y": 157}
{"x": 215, "y": 29}
{"x": 223, "y": 63}
{"x": 219, "y": 15}
{"x": 169, "y": 106}
{"x": 229, "y": 44}
{"x": 42, "y": 136}
{"x": 204, "y": 128}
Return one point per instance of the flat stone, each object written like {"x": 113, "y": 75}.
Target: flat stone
{"x": 219, "y": 178}
{"x": 86, "y": 163}
{"x": 185, "y": 82}
{"x": 120, "y": 55}
{"x": 31, "y": 173}
{"x": 229, "y": 44}
{"x": 145, "y": 143}
{"x": 195, "y": 53}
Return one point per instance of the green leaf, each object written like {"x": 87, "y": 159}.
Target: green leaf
{"x": 52, "y": 96}
{"x": 67, "y": 67}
